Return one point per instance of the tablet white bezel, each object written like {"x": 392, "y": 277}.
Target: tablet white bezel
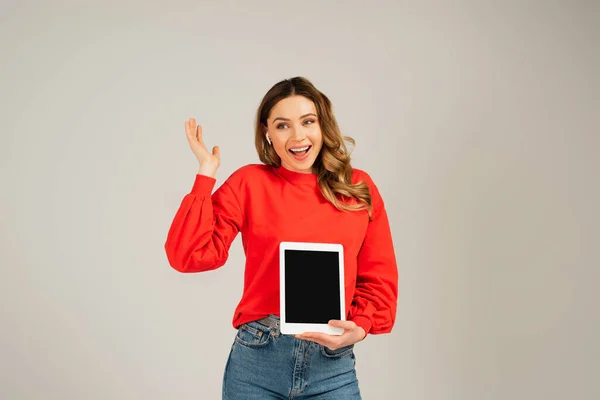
{"x": 293, "y": 328}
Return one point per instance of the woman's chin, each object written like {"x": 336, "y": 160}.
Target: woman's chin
{"x": 304, "y": 167}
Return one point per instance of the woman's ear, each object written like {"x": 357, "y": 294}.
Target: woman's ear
{"x": 266, "y": 133}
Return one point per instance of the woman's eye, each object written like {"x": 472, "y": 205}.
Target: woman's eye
{"x": 281, "y": 126}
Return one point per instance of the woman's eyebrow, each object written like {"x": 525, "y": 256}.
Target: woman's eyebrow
{"x": 287, "y": 119}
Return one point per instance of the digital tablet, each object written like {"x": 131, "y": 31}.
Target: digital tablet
{"x": 311, "y": 287}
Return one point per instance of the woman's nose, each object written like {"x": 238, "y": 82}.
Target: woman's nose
{"x": 298, "y": 134}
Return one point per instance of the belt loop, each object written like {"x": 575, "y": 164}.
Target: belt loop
{"x": 272, "y": 322}
{"x": 276, "y": 329}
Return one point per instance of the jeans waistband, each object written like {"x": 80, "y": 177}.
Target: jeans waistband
{"x": 271, "y": 321}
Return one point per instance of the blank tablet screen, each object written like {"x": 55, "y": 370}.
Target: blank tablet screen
{"x": 312, "y": 286}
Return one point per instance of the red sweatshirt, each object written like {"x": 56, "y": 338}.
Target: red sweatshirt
{"x": 269, "y": 205}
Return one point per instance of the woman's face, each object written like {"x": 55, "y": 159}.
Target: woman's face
{"x": 294, "y": 130}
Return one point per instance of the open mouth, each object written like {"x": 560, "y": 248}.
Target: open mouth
{"x": 300, "y": 152}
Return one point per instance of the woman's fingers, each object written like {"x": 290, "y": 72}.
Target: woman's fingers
{"x": 199, "y": 134}
{"x": 190, "y": 129}
{"x": 331, "y": 341}
{"x": 352, "y": 334}
{"x": 336, "y": 323}
{"x": 188, "y": 132}
{"x": 193, "y": 132}
{"x": 209, "y": 162}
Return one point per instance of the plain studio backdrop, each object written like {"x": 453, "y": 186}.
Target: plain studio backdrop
{"x": 477, "y": 120}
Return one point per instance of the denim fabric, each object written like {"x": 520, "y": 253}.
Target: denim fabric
{"x": 264, "y": 364}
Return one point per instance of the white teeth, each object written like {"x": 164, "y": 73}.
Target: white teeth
{"x": 299, "y": 150}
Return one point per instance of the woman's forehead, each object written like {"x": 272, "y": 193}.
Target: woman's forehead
{"x": 293, "y": 107}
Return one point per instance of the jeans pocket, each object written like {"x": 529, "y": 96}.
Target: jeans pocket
{"x": 338, "y": 353}
{"x": 250, "y": 335}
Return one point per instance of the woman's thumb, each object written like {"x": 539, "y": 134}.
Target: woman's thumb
{"x": 216, "y": 151}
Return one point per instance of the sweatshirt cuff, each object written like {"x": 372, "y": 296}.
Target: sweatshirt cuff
{"x": 203, "y": 185}
{"x": 363, "y": 322}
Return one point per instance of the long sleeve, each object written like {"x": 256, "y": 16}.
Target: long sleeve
{"x": 204, "y": 227}
{"x": 375, "y": 298}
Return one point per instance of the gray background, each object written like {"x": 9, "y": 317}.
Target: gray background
{"x": 477, "y": 120}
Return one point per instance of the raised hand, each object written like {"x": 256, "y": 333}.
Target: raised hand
{"x": 209, "y": 162}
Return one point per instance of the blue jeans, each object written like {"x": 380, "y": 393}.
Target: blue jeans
{"x": 264, "y": 364}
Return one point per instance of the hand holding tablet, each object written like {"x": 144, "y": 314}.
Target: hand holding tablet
{"x": 353, "y": 334}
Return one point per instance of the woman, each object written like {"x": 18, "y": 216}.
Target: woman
{"x": 305, "y": 190}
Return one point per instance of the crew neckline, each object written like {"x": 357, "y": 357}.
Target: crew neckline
{"x": 296, "y": 177}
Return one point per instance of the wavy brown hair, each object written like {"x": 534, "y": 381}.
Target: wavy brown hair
{"x": 332, "y": 165}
